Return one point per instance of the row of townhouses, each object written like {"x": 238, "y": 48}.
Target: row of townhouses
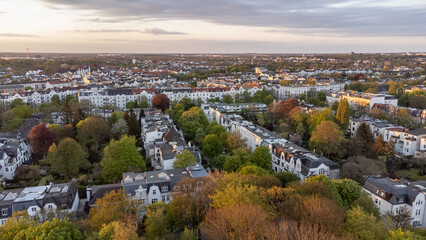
{"x": 286, "y": 156}
{"x": 149, "y": 187}
{"x": 406, "y": 142}
{"x": 100, "y": 97}
{"x": 53, "y": 197}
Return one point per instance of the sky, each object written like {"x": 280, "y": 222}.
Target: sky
{"x": 212, "y": 26}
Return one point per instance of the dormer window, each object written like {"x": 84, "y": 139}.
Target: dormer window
{"x": 164, "y": 188}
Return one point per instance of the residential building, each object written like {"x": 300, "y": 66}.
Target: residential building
{"x": 53, "y": 197}
{"x": 394, "y": 196}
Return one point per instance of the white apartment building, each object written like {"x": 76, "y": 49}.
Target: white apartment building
{"x": 363, "y": 99}
{"x": 407, "y": 142}
{"x": 286, "y": 92}
{"x": 13, "y": 153}
{"x": 393, "y": 196}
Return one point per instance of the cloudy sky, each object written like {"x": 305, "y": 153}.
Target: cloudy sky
{"x": 212, "y": 26}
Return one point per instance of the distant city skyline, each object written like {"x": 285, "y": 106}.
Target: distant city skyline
{"x": 212, "y": 26}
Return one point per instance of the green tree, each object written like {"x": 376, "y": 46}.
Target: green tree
{"x": 363, "y": 139}
{"x": 364, "y": 226}
{"x": 218, "y": 161}
{"x": 348, "y": 190}
{"x": 212, "y": 146}
{"x": 119, "y": 157}
{"x": 238, "y": 158}
{"x": 227, "y": 98}
{"x": 261, "y": 157}
{"x": 286, "y": 178}
{"x": 253, "y": 170}
{"x": 93, "y": 132}
{"x": 199, "y": 136}
{"x": 327, "y": 139}
{"x": 188, "y": 234}
{"x": 342, "y": 114}
{"x": 56, "y": 100}
{"x": 155, "y": 224}
{"x": 51, "y": 230}
{"x": 185, "y": 159}
{"x": 16, "y": 102}
{"x": 68, "y": 159}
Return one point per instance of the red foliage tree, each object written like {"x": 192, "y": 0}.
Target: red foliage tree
{"x": 287, "y": 105}
{"x": 40, "y": 139}
{"x": 161, "y": 101}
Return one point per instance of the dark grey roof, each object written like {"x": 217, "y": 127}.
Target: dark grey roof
{"x": 391, "y": 190}
{"x": 417, "y": 132}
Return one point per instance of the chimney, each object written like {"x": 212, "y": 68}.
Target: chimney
{"x": 89, "y": 193}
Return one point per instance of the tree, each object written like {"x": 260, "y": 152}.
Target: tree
{"x": 247, "y": 221}
{"x": 199, "y": 136}
{"x": 363, "y": 225}
{"x": 218, "y": 161}
{"x": 287, "y": 105}
{"x": 119, "y": 129}
{"x": 253, "y": 170}
{"x": 134, "y": 124}
{"x": 418, "y": 102}
{"x": 237, "y": 159}
{"x": 56, "y": 100}
{"x": 400, "y": 219}
{"x": 326, "y": 139}
{"x": 66, "y": 110}
{"x": 188, "y": 234}
{"x": 227, "y": 98}
{"x": 261, "y": 157}
{"x": 318, "y": 117}
{"x": 155, "y": 224}
{"x": 118, "y": 230}
{"x": 185, "y": 159}
{"x": 16, "y": 102}
{"x": 92, "y": 132}
{"x": 51, "y": 230}
{"x": 342, "y": 114}
{"x": 358, "y": 167}
{"x": 68, "y": 158}
{"x": 286, "y": 178}
{"x": 113, "y": 206}
{"x": 378, "y": 148}
{"x": 363, "y": 140}
{"x": 348, "y": 190}
{"x": 78, "y": 116}
{"x": 161, "y": 101}
{"x": 212, "y": 146}
{"x": 40, "y": 139}
{"x": 119, "y": 157}
{"x": 235, "y": 195}
{"x": 16, "y": 225}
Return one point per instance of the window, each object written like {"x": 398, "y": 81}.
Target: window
{"x": 33, "y": 209}
{"x": 164, "y": 188}
{"x": 163, "y": 198}
{"x": 154, "y": 191}
{"x": 418, "y": 212}
{"x": 4, "y": 212}
{"x": 50, "y": 207}
{"x": 7, "y": 169}
{"x": 154, "y": 200}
